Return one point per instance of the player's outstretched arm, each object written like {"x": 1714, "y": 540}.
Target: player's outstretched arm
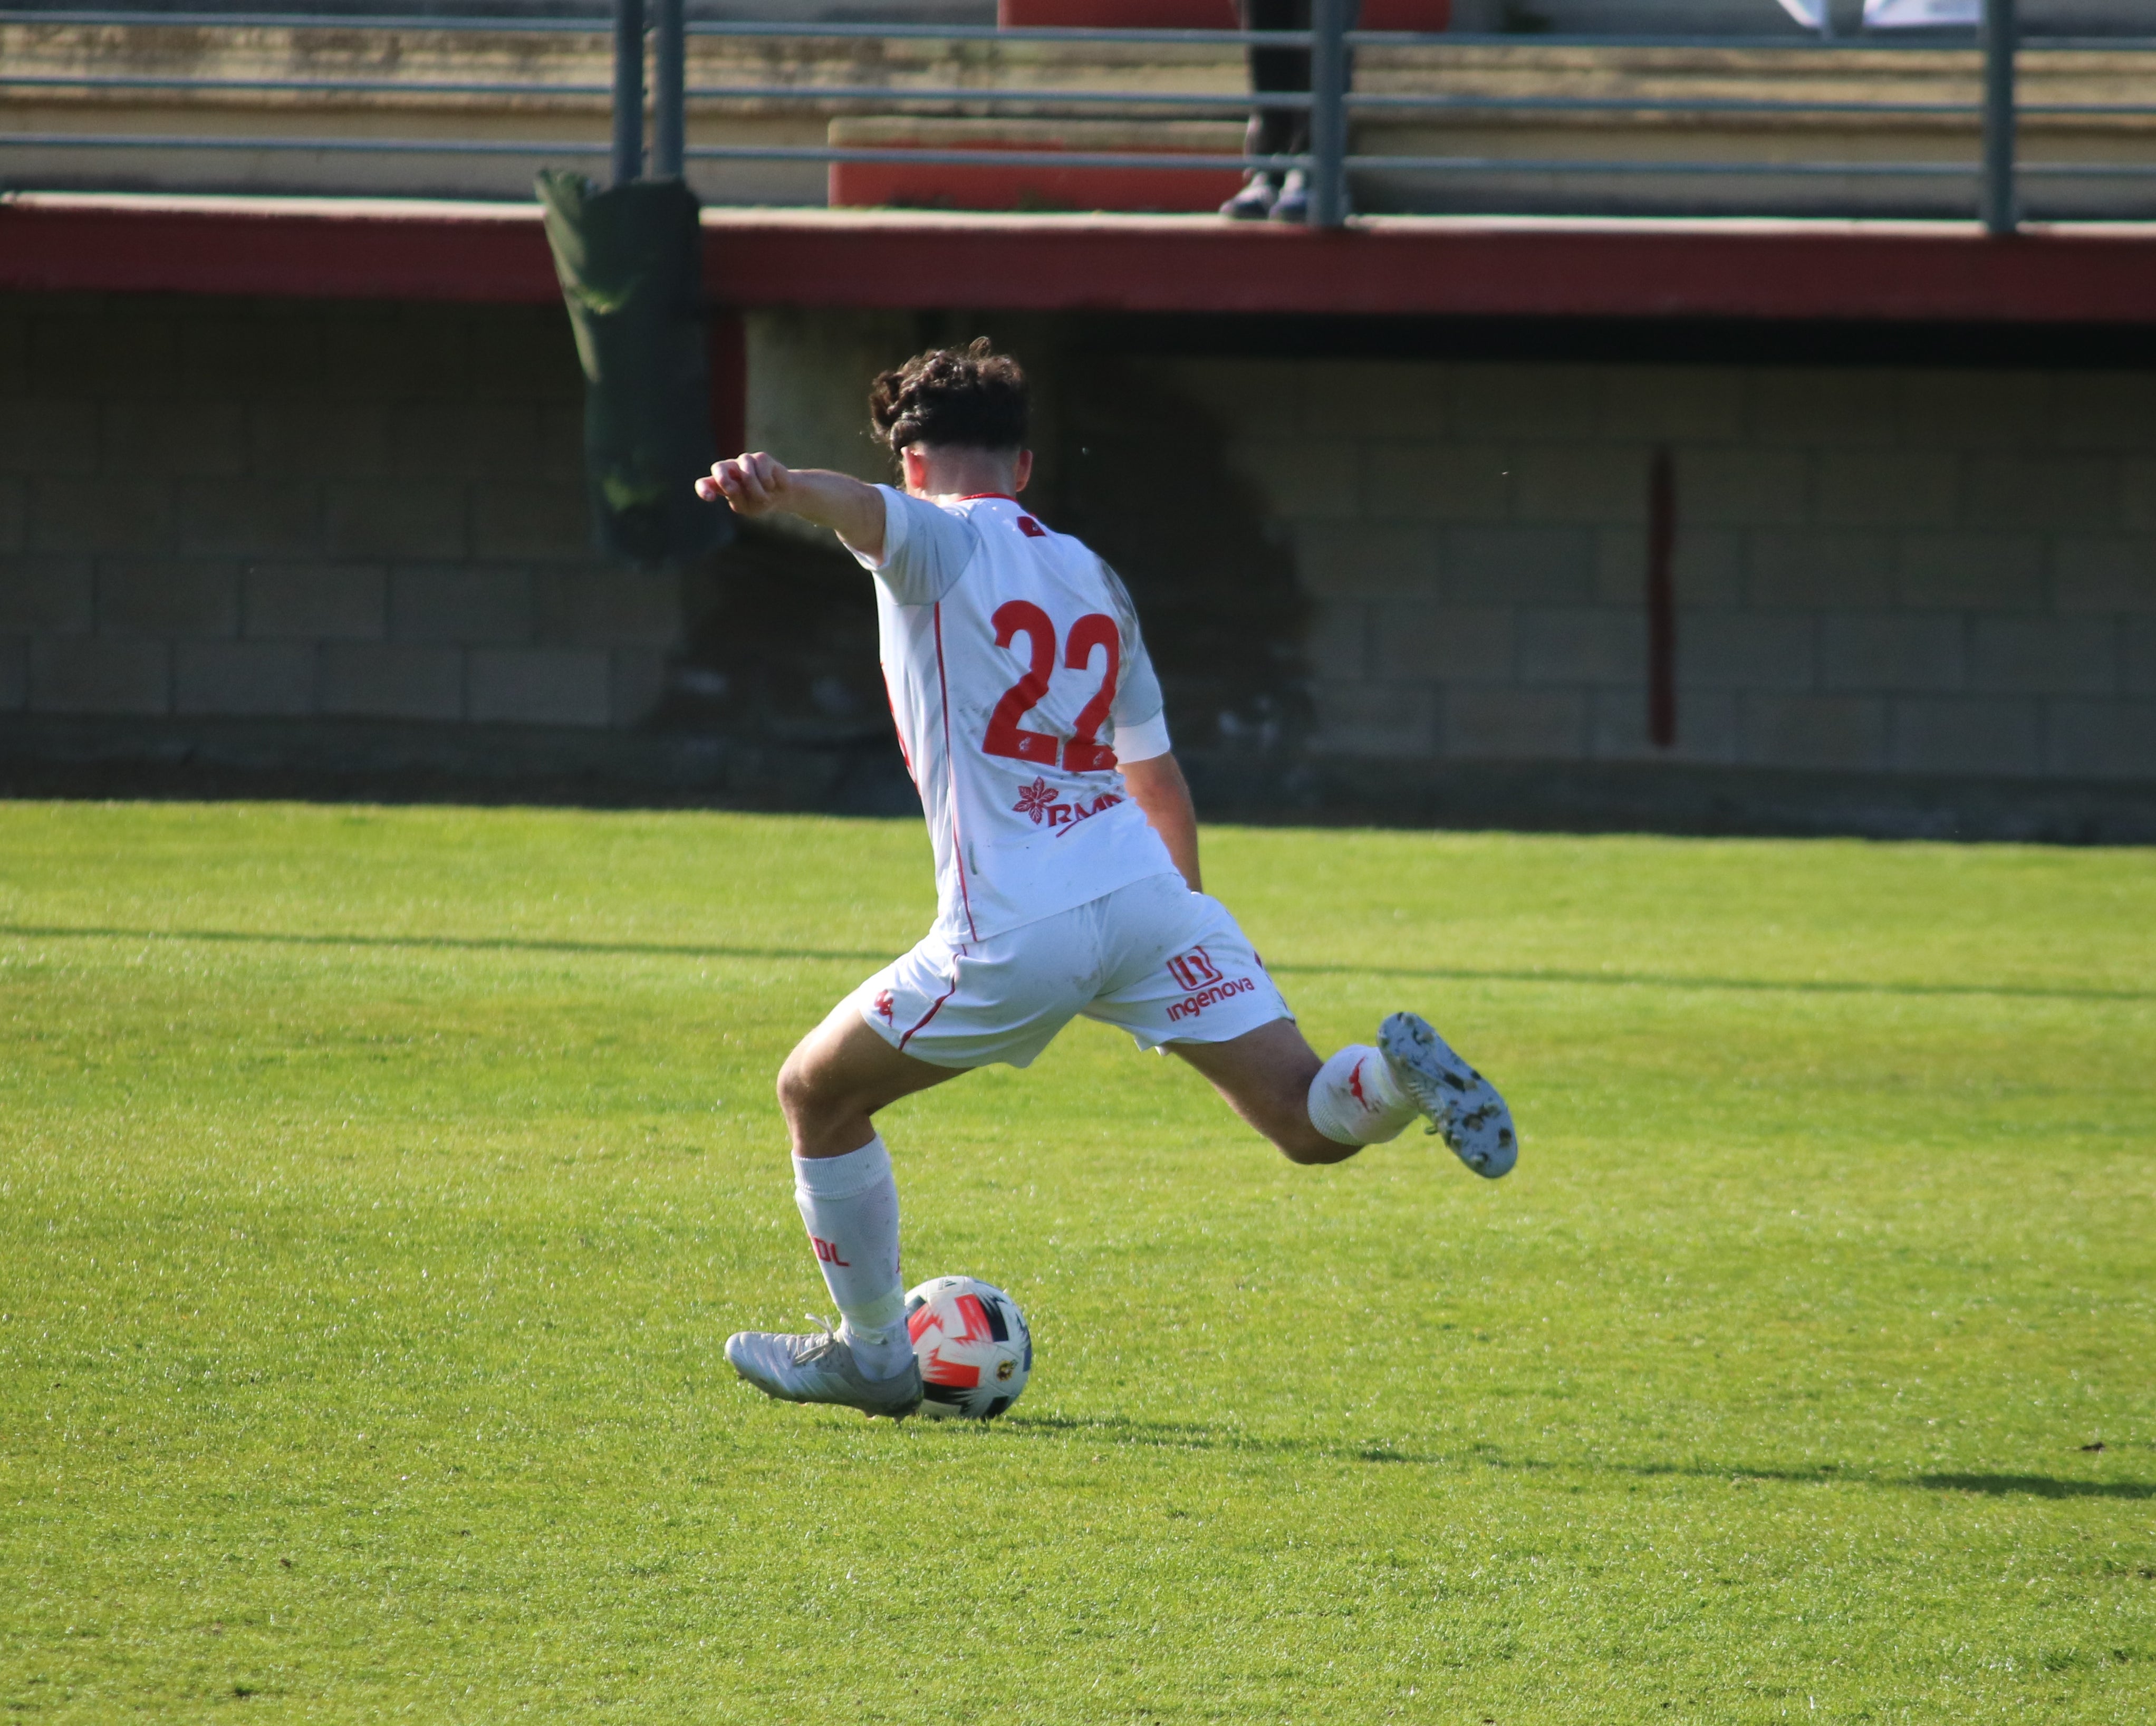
{"x": 1164, "y": 795}
{"x": 757, "y": 484}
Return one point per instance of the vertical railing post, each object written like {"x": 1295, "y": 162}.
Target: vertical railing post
{"x": 1328, "y": 113}
{"x": 670, "y": 75}
{"x": 2001, "y": 39}
{"x": 628, "y": 90}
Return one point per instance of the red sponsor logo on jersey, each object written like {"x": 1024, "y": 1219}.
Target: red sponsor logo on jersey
{"x": 1194, "y": 969}
{"x": 827, "y": 1251}
{"x": 1044, "y": 803}
{"x": 1030, "y": 528}
{"x": 883, "y": 1006}
{"x": 1037, "y": 799}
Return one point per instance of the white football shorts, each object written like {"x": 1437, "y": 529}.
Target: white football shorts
{"x": 1166, "y": 964}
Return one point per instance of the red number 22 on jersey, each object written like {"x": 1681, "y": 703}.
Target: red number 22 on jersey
{"x": 1083, "y": 754}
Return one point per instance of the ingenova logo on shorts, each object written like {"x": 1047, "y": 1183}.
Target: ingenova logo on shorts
{"x": 1192, "y": 1005}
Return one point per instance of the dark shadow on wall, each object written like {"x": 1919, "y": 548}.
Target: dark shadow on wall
{"x": 782, "y": 645}
{"x": 781, "y": 648}
{"x": 1145, "y": 482}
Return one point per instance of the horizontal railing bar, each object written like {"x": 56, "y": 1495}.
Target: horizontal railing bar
{"x": 600, "y": 25}
{"x": 1805, "y": 170}
{"x": 1383, "y": 102}
{"x": 285, "y": 145}
{"x": 298, "y": 86}
{"x": 1071, "y": 158}
{"x": 702, "y": 92}
{"x": 713, "y": 152}
{"x": 1944, "y": 41}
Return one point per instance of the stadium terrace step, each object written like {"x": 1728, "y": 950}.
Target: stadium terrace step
{"x": 1033, "y": 186}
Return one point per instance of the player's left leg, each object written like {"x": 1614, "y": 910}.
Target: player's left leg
{"x": 1186, "y": 978}
{"x": 1315, "y": 1110}
{"x": 1325, "y": 1110}
{"x": 1265, "y": 1076}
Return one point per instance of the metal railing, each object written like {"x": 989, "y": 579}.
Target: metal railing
{"x": 661, "y": 37}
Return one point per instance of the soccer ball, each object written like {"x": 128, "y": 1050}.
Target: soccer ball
{"x": 974, "y": 1349}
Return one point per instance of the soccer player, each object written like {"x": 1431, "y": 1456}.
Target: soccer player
{"x": 1066, "y": 866}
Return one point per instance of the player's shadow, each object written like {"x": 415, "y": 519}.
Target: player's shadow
{"x": 1188, "y": 1435}
{"x": 1764, "y": 985}
{"x": 701, "y": 950}
{"x": 457, "y": 943}
{"x": 2035, "y": 1486}
{"x": 2038, "y": 1486}
{"x": 1185, "y": 1435}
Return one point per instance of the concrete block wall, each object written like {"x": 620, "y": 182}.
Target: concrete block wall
{"x": 292, "y": 510}
{"x": 1876, "y": 570}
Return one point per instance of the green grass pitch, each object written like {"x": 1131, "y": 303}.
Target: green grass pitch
{"x": 376, "y": 1188}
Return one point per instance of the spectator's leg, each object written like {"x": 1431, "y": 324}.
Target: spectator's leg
{"x": 1272, "y": 132}
{"x": 1292, "y": 202}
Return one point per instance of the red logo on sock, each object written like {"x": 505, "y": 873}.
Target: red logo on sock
{"x": 828, "y": 1253}
{"x": 1355, "y": 1085}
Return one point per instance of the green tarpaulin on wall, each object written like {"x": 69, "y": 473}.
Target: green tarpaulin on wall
{"x": 628, "y": 259}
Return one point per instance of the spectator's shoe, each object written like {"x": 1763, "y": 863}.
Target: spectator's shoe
{"x": 1254, "y": 203}
{"x": 1293, "y": 202}
{"x": 1461, "y": 1104}
{"x": 820, "y": 1367}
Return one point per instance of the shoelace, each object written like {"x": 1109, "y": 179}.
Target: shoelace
{"x": 829, "y": 1341}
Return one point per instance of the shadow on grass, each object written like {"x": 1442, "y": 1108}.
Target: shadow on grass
{"x": 1189, "y": 1436}
{"x": 1433, "y": 974}
{"x": 2035, "y": 1486}
{"x": 454, "y": 944}
{"x": 1654, "y": 980}
{"x": 1184, "y": 1436}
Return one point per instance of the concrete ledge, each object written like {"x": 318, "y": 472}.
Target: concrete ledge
{"x": 394, "y": 761}
{"x": 1462, "y": 266}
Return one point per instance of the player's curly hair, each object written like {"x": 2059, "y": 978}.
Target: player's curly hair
{"x": 972, "y": 397}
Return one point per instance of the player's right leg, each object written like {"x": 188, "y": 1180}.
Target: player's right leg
{"x": 832, "y": 1084}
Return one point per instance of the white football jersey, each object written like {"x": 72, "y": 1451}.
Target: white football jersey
{"x": 1016, "y": 674}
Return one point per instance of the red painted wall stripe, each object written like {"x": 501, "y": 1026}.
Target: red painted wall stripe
{"x": 902, "y": 260}
{"x": 1661, "y": 601}
{"x": 729, "y": 369}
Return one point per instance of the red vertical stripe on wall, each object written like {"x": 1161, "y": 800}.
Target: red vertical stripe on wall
{"x": 729, "y": 366}
{"x": 1661, "y": 601}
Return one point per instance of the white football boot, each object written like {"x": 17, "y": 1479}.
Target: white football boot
{"x": 1462, "y": 1104}
{"x": 820, "y": 1367}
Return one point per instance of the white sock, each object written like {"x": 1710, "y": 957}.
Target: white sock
{"x": 850, "y": 1205}
{"x": 1355, "y": 1100}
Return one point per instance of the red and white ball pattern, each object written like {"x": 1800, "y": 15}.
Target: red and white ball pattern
{"x": 975, "y": 1351}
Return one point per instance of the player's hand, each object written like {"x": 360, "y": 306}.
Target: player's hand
{"x": 751, "y": 485}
